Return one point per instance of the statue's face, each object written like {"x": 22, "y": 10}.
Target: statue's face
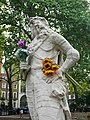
{"x": 33, "y": 32}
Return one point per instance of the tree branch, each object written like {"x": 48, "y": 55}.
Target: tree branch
{"x": 3, "y": 79}
{"x": 14, "y": 73}
{"x": 18, "y": 80}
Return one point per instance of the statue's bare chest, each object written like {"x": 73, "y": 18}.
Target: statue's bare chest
{"x": 47, "y": 49}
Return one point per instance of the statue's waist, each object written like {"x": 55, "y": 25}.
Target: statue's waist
{"x": 36, "y": 68}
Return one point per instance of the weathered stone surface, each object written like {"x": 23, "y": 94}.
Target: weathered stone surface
{"x": 46, "y": 95}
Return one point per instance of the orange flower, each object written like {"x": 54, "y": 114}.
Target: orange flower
{"x": 47, "y": 65}
{"x": 49, "y": 60}
{"x": 46, "y": 60}
{"x": 55, "y": 67}
{"x": 43, "y": 62}
{"x": 49, "y": 72}
{"x": 43, "y": 70}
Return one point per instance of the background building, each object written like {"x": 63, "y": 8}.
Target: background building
{"x": 4, "y": 90}
{"x": 18, "y": 91}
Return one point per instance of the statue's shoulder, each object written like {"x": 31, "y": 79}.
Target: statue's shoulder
{"x": 55, "y": 34}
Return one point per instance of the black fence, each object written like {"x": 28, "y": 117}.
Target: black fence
{"x": 14, "y": 111}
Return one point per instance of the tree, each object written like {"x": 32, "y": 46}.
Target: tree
{"x": 12, "y": 34}
{"x": 2, "y": 40}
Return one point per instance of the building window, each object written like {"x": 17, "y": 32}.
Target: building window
{"x": 3, "y": 85}
{"x": 23, "y": 87}
{"x": 2, "y": 70}
{"x": 15, "y": 86}
{"x": 7, "y": 95}
{"x": 15, "y": 95}
{"x": 3, "y": 94}
{"x": 8, "y": 87}
{"x": 14, "y": 104}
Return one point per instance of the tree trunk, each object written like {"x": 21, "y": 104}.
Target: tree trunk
{"x": 10, "y": 99}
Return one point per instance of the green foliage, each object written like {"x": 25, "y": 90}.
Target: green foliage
{"x": 81, "y": 119}
{"x": 2, "y": 40}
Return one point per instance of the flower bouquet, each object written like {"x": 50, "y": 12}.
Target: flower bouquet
{"x": 21, "y": 53}
{"x": 49, "y": 66}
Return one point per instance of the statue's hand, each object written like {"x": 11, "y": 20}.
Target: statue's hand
{"x": 57, "y": 89}
{"x": 50, "y": 79}
{"x": 24, "y": 69}
{"x": 59, "y": 73}
{"x": 23, "y": 65}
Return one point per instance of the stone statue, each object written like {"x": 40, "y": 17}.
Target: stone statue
{"x": 46, "y": 94}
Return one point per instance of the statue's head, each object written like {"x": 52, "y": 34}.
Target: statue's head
{"x": 37, "y": 24}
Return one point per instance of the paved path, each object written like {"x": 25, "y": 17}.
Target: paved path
{"x": 15, "y": 117}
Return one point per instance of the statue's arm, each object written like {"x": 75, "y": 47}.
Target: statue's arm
{"x": 72, "y": 54}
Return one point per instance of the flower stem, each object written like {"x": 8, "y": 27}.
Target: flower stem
{"x": 73, "y": 81}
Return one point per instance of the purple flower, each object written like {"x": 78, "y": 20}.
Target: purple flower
{"x": 20, "y": 43}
